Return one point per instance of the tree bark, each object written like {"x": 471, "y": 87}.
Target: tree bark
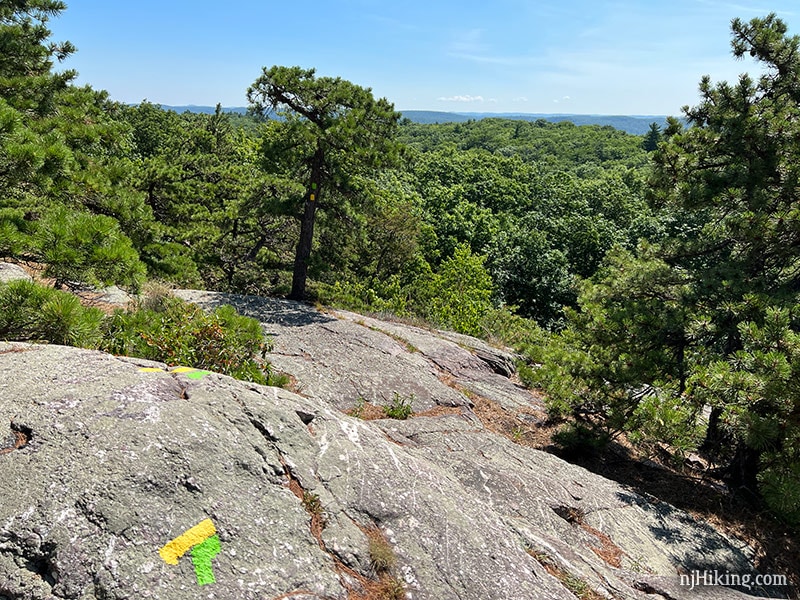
{"x": 307, "y": 228}
{"x": 715, "y": 437}
{"x": 742, "y": 473}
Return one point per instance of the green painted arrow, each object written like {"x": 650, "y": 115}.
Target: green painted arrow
{"x": 201, "y": 559}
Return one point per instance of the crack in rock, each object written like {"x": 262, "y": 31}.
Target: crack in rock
{"x": 21, "y": 436}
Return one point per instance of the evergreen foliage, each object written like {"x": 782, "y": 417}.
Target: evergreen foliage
{"x": 329, "y": 131}
{"x": 652, "y": 137}
{"x": 80, "y": 248}
{"x": 33, "y": 313}
{"x": 167, "y": 330}
{"x": 706, "y": 317}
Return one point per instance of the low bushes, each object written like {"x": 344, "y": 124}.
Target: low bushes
{"x": 164, "y": 329}
{"x": 33, "y": 313}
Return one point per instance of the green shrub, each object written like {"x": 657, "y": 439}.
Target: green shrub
{"x": 661, "y": 418}
{"x": 162, "y": 328}
{"x": 82, "y": 248}
{"x": 378, "y": 297}
{"x": 30, "y": 312}
{"x": 176, "y": 332}
{"x": 502, "y": 326}
{"x": 400, "y": 408}
{"x": 358, "y": 408}
{"x": 577, "y": 441}
{"x": 458, "y": 297}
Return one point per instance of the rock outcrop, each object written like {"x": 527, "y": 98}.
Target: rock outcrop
{"x": 12, "y": 272}
{"x": 104, "y": 460}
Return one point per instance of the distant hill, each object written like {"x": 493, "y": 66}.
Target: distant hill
{"x": 634, "y": 124}
{"x": 206, "y": 110}
{"x": 435, "y": 116}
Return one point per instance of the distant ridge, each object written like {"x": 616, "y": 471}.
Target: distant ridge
{"x": 206, "y": 110}
{"x": 633, "y": 124}
{"x": 437, "y": 116}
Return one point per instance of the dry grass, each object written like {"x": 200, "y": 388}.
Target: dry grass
{"x": 410, "y": 348}
{"x": 383, "y": 583}
{"x": 313, "y": 506}
{"x": 608, "y": 550}
{"x": 14, "y": 349}
{"x": 367, "y": 411}
{"x": 581, "y": 589}
{"x": 380, "y": 584}
{"x": 381, "y": 555}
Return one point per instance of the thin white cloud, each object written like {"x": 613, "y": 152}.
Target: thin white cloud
{"x": 509, "y": 61}
{"x": 470, "y": 41}
{"x": 741, "y": 8}
{"x": 465, "y": 98}
{"x": 520, "y": 99}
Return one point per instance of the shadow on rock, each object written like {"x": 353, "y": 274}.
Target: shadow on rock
{"x": 285, "y": 313}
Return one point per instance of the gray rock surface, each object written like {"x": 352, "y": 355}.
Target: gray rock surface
{"x": 113, "y": 295}
{"x": 103, "y": 460}
{"x": 12, "y": 272}
{"x": 341, "y": 357}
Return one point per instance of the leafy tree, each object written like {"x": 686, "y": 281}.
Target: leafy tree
{"x": 463, "y": 292}
{"x": 531, "y": 273}
{"x": 328, "y": 131}
{"x": 559, "y": 146}
{"x": 388, "y": 234}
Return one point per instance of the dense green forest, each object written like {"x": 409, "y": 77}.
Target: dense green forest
{"x": 650, "y": 283}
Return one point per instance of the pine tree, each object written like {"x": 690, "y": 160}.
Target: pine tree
{"x": 652, "y": 137}
{"x": 709, "y": 316}
{"x": 26, "y": 55}
{"x": 57, "y": 143}
{"x": 328, "y": 131}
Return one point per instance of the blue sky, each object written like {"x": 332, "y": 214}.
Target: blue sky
{"x": 570, "y": 56}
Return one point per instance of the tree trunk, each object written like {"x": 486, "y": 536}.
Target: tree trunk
{"x": 715, "y": 437}
{"x": 742, "y": 473}
{"x": 307, "y": 229}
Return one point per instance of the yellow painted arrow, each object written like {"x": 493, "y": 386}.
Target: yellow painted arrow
{"x": 173, "y": 550}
